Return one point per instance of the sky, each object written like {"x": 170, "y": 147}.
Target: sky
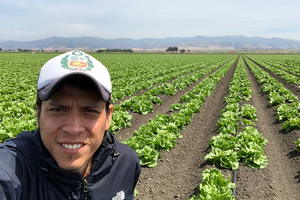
{"x": 28, "y": 20}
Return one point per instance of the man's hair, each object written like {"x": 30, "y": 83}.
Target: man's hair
{"x": 77, "y": 82}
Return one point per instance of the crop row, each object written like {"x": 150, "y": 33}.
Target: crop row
{"x": 279, "y": 70}
{"x": 288, "y": 63}
{"x": 248, "y": 146}
{"x": 287, "y": 104}
{"x": 228, "y": 147}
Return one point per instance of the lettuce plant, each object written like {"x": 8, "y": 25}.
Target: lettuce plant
{"x": 214, "y": 186}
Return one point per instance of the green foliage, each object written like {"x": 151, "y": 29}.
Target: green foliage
{"x": 164, "y": 140}
{"x": 187, "y": 112}
{"x": 249, "y": 112}
{"x": 286, "y": 112}
{"x": 233, "y": 107}
{"x": 193, "y": 106}
{"x": 252, "y": 156}
{"x": 228, "y": 122}
{"x": 252, "y": 145}
{"x": 168, "y": 89}
{"x": 187, "y": 97}
{"x": 135, "y": 192}
{"x": 128, "y": 72}
{"x": 291, "y": 79}
{"x": 233, "y": 98}
{"x": 224, "y": 142}
{"x": 292, "y": 123}
{"x": 180, "y": 120}
{"x": 297, "y": 143}
{"x": 120, "y": 120}
{"x": 248, "y": 146}
{"x": 224, "y": 158}
{"x": 267, "y": 88}
{"x": 148, "y": 156}
{"x": 248, "y": 122}
{"x": 276, "y": 99}
{"x": 4, "y": 136}
{"x": 214, "y": 186}
{"x": 139, "y": 104}
{"x": 246, "y": 93}
{"x": 155, "y": 91}
{"x": 176, "y": 106}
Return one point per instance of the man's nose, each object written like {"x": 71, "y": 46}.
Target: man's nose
{"x": 73, "y": 124}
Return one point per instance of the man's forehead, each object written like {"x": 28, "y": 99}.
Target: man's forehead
{"x": 70, "y": 93}
{"x": 63, "y": 103}
{"x": 80, "y": 84}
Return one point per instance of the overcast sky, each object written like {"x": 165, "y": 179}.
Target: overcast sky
{"x": 26, "y": 20}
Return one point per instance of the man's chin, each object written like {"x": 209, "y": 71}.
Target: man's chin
{"x": 69, "y": 170}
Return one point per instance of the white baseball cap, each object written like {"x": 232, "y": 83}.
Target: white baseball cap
{"x": 73, "y": 63}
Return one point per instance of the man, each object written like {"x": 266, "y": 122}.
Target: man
{"x": 71, "y": 155}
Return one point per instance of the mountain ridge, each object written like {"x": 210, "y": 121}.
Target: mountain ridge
{"x": 193, "y": 43}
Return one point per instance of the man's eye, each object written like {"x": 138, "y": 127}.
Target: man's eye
{"x": 92, "y": 111}
{"x": 56, "y": 109}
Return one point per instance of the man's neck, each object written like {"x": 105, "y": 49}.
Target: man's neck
{"x": 85, "y": 171}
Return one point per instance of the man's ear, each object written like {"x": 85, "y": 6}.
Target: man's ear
{"x": 109, "y": 116}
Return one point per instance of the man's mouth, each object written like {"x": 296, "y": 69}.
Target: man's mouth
{"x": 72, "y": 146}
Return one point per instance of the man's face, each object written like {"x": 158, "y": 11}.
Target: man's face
{"x": 72, "y": 124}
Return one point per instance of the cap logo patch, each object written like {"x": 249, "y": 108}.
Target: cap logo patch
{"x": 77, "y": 62}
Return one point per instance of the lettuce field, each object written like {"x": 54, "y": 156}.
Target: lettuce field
{"x": 205, "y": 126}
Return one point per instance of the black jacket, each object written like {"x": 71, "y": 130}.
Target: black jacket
{"x": 29, "y": 172}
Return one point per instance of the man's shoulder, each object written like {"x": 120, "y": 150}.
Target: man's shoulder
{"x": 19, "y": 156}
{"x": 26, "y": 143}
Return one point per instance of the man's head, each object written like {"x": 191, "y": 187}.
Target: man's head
{"x": 73, "y": 108}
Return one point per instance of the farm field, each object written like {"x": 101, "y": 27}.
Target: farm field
{"x": 177, "y": 171}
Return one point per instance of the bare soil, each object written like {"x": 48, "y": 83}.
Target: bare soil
{"x": 179, "y": 171}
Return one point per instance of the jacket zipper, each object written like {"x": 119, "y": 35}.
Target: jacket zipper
{"x": 85, "y": 189}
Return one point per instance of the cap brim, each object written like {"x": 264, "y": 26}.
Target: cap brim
{"x": 46, "y": 92}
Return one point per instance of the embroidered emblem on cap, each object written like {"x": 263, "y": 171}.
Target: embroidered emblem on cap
{"x": 120, "y": 196}
{"x": 77, "y": 62}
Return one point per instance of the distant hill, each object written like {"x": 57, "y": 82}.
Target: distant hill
{"x": 193, "y": 43}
